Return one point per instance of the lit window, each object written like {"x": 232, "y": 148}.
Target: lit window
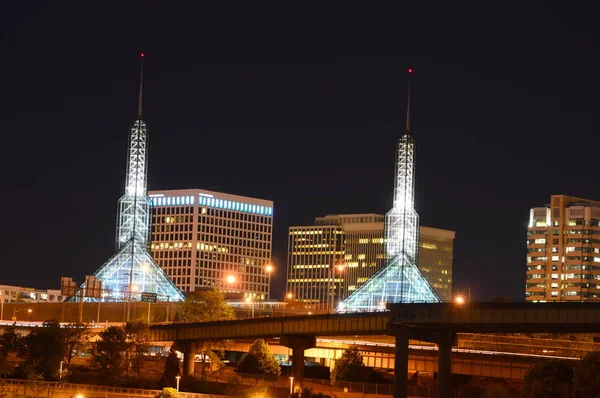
{"x": 554, "y": 294}
{"x": 554, "y": 258}
{"x": 554, "y": 285}
{"x": 554, "y": 276}
{"x": 429, "y": 246}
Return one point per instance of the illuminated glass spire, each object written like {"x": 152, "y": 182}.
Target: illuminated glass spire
{"x": 400, "y": 280}
{"x": 132, "y": 269}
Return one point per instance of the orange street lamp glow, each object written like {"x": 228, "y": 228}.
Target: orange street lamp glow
{"x": 269, "y": 268}
{"x": 459, "y": 300}
{"x": 230, "y": 279}
{"x": 289, "y": 296}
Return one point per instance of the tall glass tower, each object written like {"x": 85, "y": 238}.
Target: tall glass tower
{"x": 132, "y": 270}
{"x": 400, "y": 280}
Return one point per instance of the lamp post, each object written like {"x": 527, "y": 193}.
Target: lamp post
{"x": 250, "y": 305}
{"x": 289, "y": 297}
{"x": 15, "y": 311}
{"x": 291, "y": 385}
{"x": 177, "y": 378}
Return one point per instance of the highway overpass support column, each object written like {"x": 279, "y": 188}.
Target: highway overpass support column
{"x": 189, "y": 349}
{"x": 444, "y": 342}
{"x": 400, "y": 360}
{"x": 298, "y": 344}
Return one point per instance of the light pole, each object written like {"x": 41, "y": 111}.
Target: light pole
{"x": 291, "y": 385}
{"x": 289, "y": 297}
{"x": 250, "y": 305}
{"x": 177, "y": 378}
{"x": 15, "y": 311}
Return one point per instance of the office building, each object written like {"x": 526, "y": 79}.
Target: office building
{"x": 333, "y": 258}
{"x": 20, "y": 294}
{"x": 204, "y": 239}
{"x": 436, "y": 255}
{"x": 563, "y": 251}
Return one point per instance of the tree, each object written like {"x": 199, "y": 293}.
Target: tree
{"x": 107, "y": 352}
{"x": 205, "y": 306}
{"x": 44, "y": 349}
{"x": 77, "y": 339}
{"x": 587, "y": 377}
{"x": 500, "y": 298}
{"x": 260, "y": 360}
{"x": 548, "y": 379}
{"x": 171, "y": 368}
{"x": 138, "y": 336}
{"x": 350, "y": 366}
{"x": 10, "y": 343}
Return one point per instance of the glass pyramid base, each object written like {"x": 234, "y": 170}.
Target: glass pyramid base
{"x": 400, "y": 281}
{"x": 147, "y": 276}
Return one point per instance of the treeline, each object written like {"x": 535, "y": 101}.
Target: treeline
{"x": 46, "y": 350}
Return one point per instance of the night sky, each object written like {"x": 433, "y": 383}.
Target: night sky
{"x": 301, "y": 105}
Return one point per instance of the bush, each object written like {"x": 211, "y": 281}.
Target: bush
{"x": 496, "y": 390}
{"x": 168, "y": 392}
{"x": 307, "y": 393}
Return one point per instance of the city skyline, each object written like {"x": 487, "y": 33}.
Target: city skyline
{"x": 239, "y": 109}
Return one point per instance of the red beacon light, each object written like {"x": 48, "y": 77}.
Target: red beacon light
{"x": 142, "y": 55}
{"x": 409, "y": 71}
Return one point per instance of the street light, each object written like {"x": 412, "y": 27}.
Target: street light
{"x": 250, "y": 304}
{"x": 460, "y": 300}
{"x": 177, "y": 377}
{"x": 15, "y": 311}
{"x": 269, "y": 268}
{"x": 291, "y": 385}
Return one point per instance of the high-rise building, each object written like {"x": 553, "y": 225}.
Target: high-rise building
{"x": 333, "y": 258}
{"x": 563, "y": 251}
{"x": 436, "y": 254}
{"x": 400, "y": 279}
{"x": 205, "y": 239}
{"x": 132, "y": 270}
{"x": 314, "y": 254}
{"x": 362, "y": 248}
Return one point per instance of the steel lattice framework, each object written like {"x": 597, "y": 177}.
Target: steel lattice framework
{"x": 132, "y": 269}
{"x": 400, "y": 280}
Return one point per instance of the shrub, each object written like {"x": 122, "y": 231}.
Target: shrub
{"x": 168, "y": 392}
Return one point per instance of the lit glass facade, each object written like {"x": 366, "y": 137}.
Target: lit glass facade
{"x": 205, "y": 239}
{"x": 563, "y": 251}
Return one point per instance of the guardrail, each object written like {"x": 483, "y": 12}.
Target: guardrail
{"x": 86, "y": 389}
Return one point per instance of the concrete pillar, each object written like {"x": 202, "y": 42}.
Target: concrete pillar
{"x": 189, "y": 353}
{"x": 401, "y": 363}
{"x": 298, "y": 344}
{"x": 445, "y": 365}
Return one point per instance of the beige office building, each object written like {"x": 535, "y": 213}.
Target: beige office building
{"x": 204, "y": 239}
{"x": 563, "y": 251}
{"x": 331, "y": 259}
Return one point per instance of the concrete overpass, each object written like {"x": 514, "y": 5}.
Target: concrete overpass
{"x": 437, "y": 323}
